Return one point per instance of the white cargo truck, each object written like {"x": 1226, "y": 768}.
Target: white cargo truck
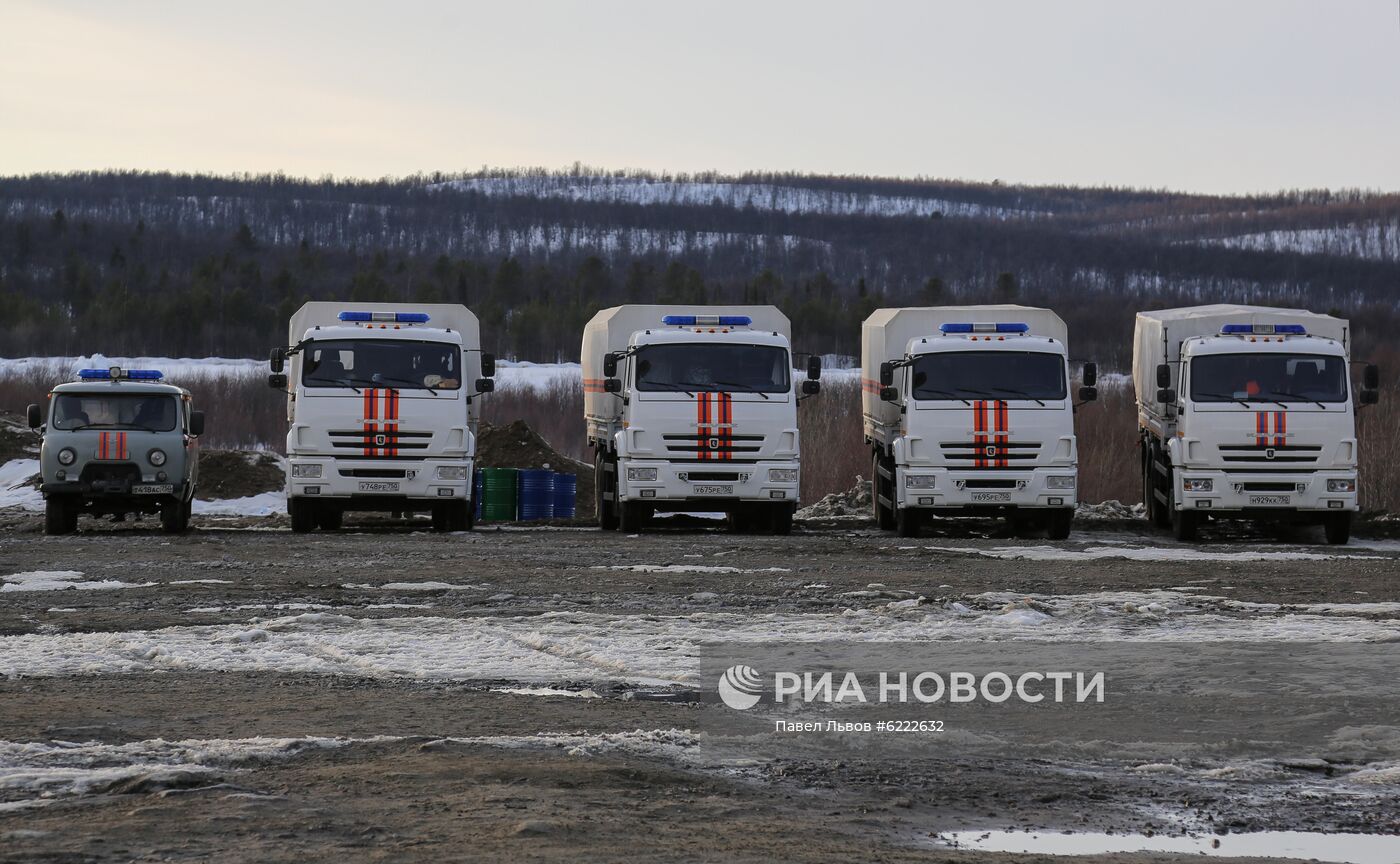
{"x": 694, "y": 408}
{"x": 968, "y": 412}
{"x": 1247, "y": 412}
{"x": 382, "y": 406}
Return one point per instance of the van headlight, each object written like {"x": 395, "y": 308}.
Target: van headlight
{"x": 782, "y": 475}
{"x": 306, "y": 471}
{"x": 1344, "y": 485}
{"x": 920, "y": 481}
{"x": 156, "y": 457}
{"x": 67, "y": 456}
{"x": 1194, "y": 484}
{"x": 1059, "y": 481}
{"x": 451, "y": 472}
{"x": 642, "y": 475}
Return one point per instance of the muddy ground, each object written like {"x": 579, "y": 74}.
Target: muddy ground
{"x": 387, "y": 763}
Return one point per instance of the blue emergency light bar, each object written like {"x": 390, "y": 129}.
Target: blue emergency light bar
{"x": 979, "y": 327}
{"x": 1264, "y": 330}
{"x": 386, "y": 317}
{"x": 116, "y": 372}
{"x": 707, "y": 320}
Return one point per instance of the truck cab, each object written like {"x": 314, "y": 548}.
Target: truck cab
{"x": 380, "y": 410}
{"x": 118, "y": 441}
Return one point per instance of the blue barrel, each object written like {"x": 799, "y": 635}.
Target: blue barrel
{"x": 565, "y": 495}
{"x": 476, "y": 493}
{"x": 536, "y": 494}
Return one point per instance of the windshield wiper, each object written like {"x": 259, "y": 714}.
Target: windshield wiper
{"x": 918, "y": 394}
{"x": 750, "y": 388}
{"x": 409, "y": 382}
{"x": 1298, "y": 396}
{"x": 1023, "y": 394}
{"x": 1226, "y": 396}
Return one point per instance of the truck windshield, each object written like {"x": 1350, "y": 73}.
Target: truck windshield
{"x": 1004, "y": 375}
{"x": 393, "y": 363}
{"x": 1259, "y": 377}
{"x": 154, "y": 413}
{"x": 691, "y": 367}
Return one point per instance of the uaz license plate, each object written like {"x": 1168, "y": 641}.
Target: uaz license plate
{"x": 378, "y": 486}
{"x": 1270, "y": 500}
{"x": 713, "y": 490}
{"x": 153, "y": 489}
{"x": 991, "y": 497}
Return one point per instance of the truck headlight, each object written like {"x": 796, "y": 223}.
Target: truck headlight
{"x": 1346, "y": 485}
{"x": 67, "y": 456}
{"x": 782, "y": 475}
{"x": 1191, "y": 484}
{"x": 920, "y": 481}
{"x": 641, "y": 474}
{"x": 156, "y": 457}
{"x": 1060, "y": 481}
{"x": 451, "y": 472}
{"x": 306, "y": 472}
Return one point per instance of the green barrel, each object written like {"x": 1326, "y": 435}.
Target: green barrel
{"x": 498, "y": 495}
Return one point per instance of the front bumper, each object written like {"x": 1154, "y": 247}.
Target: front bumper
{"x": 1241, "y": 492}
{"x": 371, "y": 480}
{"x": 688, "y": 482}
{"x": 989, "y": 489}
{"x": 113, "y": 491}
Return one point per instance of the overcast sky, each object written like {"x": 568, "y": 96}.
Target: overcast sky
{"x": 1197, "y": 95}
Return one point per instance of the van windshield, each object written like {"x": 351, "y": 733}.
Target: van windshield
{"x": 398, "y": 364}
{"x": 1259, "y": 377}
{"x": 153, "y": 413}
{"x": 692, "y": 367}
{"x": 1004, "y": 375}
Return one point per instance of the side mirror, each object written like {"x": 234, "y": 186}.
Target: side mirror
{"x": 196, "y": 423}
{"x": 1164, "y": 375}
{"x": 488, "y": 366}
{"x": 612, "y": 385}
{"x": 1371, "y": 377}
{"x": 889, "y": 394}
{"x": 485, "y": 385}
{"x": 277, "y": 359}
{"x": 814, "y": 367}
{"x": 32, "y": 414}
{"x": 1088, "y": 394}
{"x": 1369, "y": 397}
{"x": 277, "y": 381}
{"x": 811, "y": 388}
{"x": 609, "y": 365}
{"x": 886, "y": 373}
{"x": 1091, "y": 374}
{"x": 1166, "y": 395}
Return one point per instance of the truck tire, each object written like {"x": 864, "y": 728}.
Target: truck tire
{"x": 634, "y": 517}
{"x": 60, "y": 515}
{"x": 1158, "y": 514}
{"x": 303, "y": 514}
{"x": 1185, "y": 524}
{"x": 1059, "y": 523}
{"x": 782, "y": 519}
{"x": 607, "y": 510}
{"x": 329, "y": 518}
{"x": 907, "y": 522}
{"x": 175, "y": 517}
{"x": 1337, "y": 527}
{"x": 884, "y": 516}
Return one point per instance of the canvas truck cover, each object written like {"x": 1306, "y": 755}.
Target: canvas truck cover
{"x": 886, "y": 333}
{"x": 1158, "y": 335}
{"x": 611, "y": 330}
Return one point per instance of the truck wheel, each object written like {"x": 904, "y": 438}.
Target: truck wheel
{"x": 175, "y": 517}
{"x": 1185, "y": 524}
{"x": 60, "y": 515}
{"x": 634, "y": 517}
{"x": 884, "y": 516}
{"x": 329, "y": 518}
{"x": 1158, "y": 514}
{"x": 1337, "y": 527}
{"x": 607, "y": 510}
{"x": 907, "y": 522}
{"x": 1059, "y": 523}
{"x": 456, "y": 516}
{"x": 303, "y": 514}
{"x": 782, "y": 519}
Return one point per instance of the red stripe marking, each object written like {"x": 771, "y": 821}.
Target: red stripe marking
{"x": 702, "y": 435}
{"x": 1003, "y": 427}
{"x": 979, "y": 428}
{"x": 371, "y": 429}
{"x": 1280, "y": 428}
{"x": 726, "y": 419}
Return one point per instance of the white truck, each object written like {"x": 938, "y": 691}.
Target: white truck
{"x": 1247, "y": 412}
{"x": 382, "y": 410}
{"x": 694, "y": 408}
{"x": 970, "y": 415}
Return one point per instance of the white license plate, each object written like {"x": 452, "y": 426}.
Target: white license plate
{"x": 378, "y": 486}
{"x": 1270, "y": 500}
{"x": 991, "y": 497}
{"x": 713, "y": 490}
{"x": 153, "y": 489}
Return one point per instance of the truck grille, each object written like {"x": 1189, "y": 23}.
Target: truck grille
{"x": 1284, "y": 454}
{"x": 1009, "y": 455}
{"x": 380, "y": 443}
{"x": 719, "y": 447}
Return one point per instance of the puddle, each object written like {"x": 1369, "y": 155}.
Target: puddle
{"x": 1339, "y": 848}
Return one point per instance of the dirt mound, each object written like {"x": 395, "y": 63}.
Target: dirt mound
{"x": 519, "y": 446}
{"x": 853, "y": 503}
{"x": 239, "y": 473}
{"x": 17, "y": 440}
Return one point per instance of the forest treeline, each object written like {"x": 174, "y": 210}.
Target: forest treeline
{"x": 159, "y": 264}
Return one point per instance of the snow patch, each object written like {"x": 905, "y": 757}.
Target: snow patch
{"x": 59, "y": 580}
